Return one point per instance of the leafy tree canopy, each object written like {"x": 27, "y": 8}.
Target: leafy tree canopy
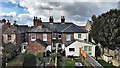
{"x": 106, "y": 29}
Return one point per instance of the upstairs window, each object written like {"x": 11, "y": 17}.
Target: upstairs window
{"x": 79, "y": 35}
{"x": 33, "y": 37}
{"x": 54, "y": 35}
{"x": 68, "y": 37}
{"x": 59, "y": 36}
{"x": 45, "y": 37}
{"x": 9, "y": 37}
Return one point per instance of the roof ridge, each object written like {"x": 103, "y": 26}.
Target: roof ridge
{"x": 80, "y": 28}
{"x": 67, "y": 27}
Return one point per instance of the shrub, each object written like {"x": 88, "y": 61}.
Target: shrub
{"x": 29, "y": 60}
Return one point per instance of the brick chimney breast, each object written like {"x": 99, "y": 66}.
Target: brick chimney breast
{"x": 35, "y": 22}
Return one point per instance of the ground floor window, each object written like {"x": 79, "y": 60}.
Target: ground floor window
{"x": 71, "y": 49}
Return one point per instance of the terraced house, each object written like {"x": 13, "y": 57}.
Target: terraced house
{"x": 56, "y": 33}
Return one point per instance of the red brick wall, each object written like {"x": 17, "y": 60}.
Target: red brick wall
{"x": 63, "y": 38}
{"x": 49, "y": 37}
{"x": 40, "y": 36}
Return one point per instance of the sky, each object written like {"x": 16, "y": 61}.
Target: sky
{"x": 76, "y": 11}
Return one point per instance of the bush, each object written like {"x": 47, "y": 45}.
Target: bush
{"x": 29, "y": 60}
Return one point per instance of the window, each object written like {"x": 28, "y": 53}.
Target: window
{"x": 85, "y": 48}
{"x": 9, "y": 37}
{"x": 90, "y": 53}
{"x": 44, "y": 37}
{"x": 24, "y": 47}
{"x": 59, "y": 45}
{"x": 54, "y": 35}
{"x": 33, "y": 37}
{"x": 79, "y": 35}
{"x": 59, "y": 36}
{"x": 71, "y": 49}
{"x": 90, "y": 48}
{"x": 68, "y": 37}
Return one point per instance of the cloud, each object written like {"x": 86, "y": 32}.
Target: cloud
{"x": 77, "y": 12}
{"x": 20, "y": 18}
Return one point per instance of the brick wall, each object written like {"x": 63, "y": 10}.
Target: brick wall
{"x": 40, "y": 36}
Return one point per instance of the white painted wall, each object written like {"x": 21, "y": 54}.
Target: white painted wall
{"x": 77, "y": 45}
{"x": 49, "y": 48}
{"x": 83, "y": 36}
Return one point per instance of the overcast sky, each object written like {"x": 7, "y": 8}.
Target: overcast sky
{"x": 76, "y": 11}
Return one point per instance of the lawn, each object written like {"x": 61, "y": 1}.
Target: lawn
{"x": 105, "y": 64}
{"x": 69, "y": 63}
{"x": 16, "y": 61}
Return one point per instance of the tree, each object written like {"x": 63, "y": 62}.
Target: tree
{"x": 29, "y": 61}
{"x": 106, "y": 29}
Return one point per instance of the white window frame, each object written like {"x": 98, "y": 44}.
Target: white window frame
{"x": 80, "y": 35}
{"x": 45, "y": 37}
{"x": 58, "y": 35}
{"x": 88, "y": 49}
{"x": 68, "y": 37}
{"x": 33, "y": 39}
{"x": 72, "y": 51}
{"x": 54, "y": 36}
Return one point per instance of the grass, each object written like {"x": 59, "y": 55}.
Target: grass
{"x": 14, "y": 62}
{"x": 69, "y": 63}
{"x": 105, "y": 64}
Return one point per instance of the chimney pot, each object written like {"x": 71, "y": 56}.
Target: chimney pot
{"x": 51, "y": 19}
{"x": 62, "y": 19}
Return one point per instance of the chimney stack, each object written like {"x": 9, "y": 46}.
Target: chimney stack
{"x": 3, "y": 21}
{"x": 8, "y": 23}
{"x": 62, "y": 19}
{"x": 51, "y": 19}
{"x": 37, "y": 22}
{"x": 14, "y": 23}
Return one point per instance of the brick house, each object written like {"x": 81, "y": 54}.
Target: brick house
{"x": 52, "y": 33}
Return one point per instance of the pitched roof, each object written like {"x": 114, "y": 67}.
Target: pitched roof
{"x": 81, "y": 41}
{"x": 10, "y": 31}
{"x": 58, "y": 27}
{"x": 22, "y": 28}
{"x": 41, "y": 42}
{"x": 74, "y": 28}
{"x": 39, "y": 29}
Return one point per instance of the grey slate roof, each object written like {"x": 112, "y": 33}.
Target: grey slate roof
{"x": 41, "y": 42}
{"x": 10, "y": 31}
{"x": 21, "y": 28}
{"x": 58, "y": 27}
